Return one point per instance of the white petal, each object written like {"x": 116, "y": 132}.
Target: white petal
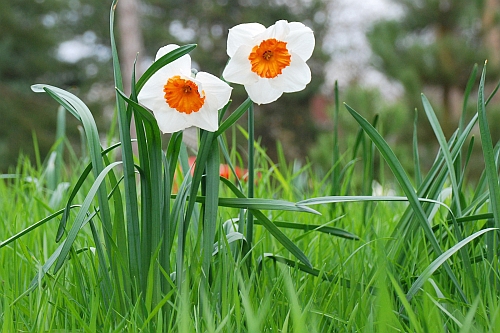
{"x": 242, "y": 34}
{"x": 294, "y": 77}
{"x": 170, "y": 121}
{"x": 165, "y": 49}
{"x": 183, "y": 62}
{"x": 151, "y": 87}
{"x": 262, "y": 92}
{"x": 151, "y": 94}
{"x": 239, "y": 68}
{"x": 279, "y": 31}
{"x": 300, "y": 40}
{"x": 207, "y": 117}
{"x": 213, "y": 86}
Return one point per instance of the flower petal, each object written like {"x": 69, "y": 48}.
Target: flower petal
{"x": 239, "y": 68}
{"x": 262, "y": 92}
{"x": 294, "y": 78}
{"x": 207, "y": 117}
{"x": 152, "y": 94}
{"x": 242, "y": 34}
{"x": 165, "y": 49}
{"x": 279, "y": 31}
{"x": 214, "y": 86}
{"x": 183, "y": 62}
{"x": 170, "y": 121}
{"x": 300, "y": 40}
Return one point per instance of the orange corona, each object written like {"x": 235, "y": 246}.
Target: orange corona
{"x": 269, "y": 58}
{"x": 183, "y": 95}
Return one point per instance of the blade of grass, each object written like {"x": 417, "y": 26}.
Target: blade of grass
{"x": 130, "y": 191}
{"x": 439, "y": 261}
{"x": 95, "y": 151}
{"x": 489, "y": 157}
{"x": 416, "y": 158}
{"x": 271, "y": 227}
{"x": 251, "y": 173}
{"x": 34, "y": 226}
{"x": 400, "y": 174}
{"x": 468, "y": 89}
{"x": 149, "y": 141}
{"x": 456, "y": 193}
{"x": 233, "y": 118}
{"x": 204, "y": 150}
{"x": 490, "y": 172}
{"x": 166, "y": 226}
{"x": 336, "y": 153}
{"x": 315, "y": 227}
{"x": 74, "y": 192}
{"x": 210, "y": 215}
{"x": 80, "y": 218}
{"x": 434, "y": 122}
{"x": 260, "y": 204}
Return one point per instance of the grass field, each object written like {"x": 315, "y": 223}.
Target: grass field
{"x": 422, "y": 260}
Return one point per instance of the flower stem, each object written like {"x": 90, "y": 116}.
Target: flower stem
{"x": 251, "y": 150}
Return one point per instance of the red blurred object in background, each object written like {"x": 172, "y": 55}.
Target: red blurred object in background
{"x": 224, "y": 170}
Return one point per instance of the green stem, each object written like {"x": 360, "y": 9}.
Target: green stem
{"x": 251, "y": 150}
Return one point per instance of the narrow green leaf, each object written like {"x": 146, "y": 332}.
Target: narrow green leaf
{"x": 441, "y": 260}
{"x": 416, "y": 158}
{"x": 400, "y": 174}
{"x": 130, "y": 191}
{"x": 468, "y": 89}
{"x": 336, "y": 153}
{"x": 454, "y": 184}
{"x": 315, "y": 227}
{"x": 74, "y": 192}
{"x": 431, "y": 115}
{"x": 95, "y": 150}
{"x": 35, "y": 225}
{"x": 271, "y": 227}
{"x": 80, "y": 218}
{"x": 489, "y": 157}
{"x": 262, "y": 204}
{"x": 164, "y": 60}
{"x": 233, "y": 118}
{"x": 210, "y": 215}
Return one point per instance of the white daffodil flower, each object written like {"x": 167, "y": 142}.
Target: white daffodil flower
{"x": 269, "y": 62}
{"x": 179, "y": 99}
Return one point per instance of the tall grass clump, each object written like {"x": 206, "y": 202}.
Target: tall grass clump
{"x": 154, "y": 243}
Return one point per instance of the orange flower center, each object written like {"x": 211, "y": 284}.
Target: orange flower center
{"x": 183, "y": 95}
{"x": 269, "y": 58}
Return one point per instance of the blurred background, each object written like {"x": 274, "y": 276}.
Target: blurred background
{"x": 382, "y": 53}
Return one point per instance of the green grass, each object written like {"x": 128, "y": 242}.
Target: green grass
{"x": 366, "y": 285}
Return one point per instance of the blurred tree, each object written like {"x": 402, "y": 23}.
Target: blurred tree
{"x": 434, "y": 44}
{"x": 31, "y": 33}
{"x": 25, "y": 56}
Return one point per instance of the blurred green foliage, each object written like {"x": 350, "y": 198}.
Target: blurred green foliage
{"x": 394, "y": 123}
{"x": 434, "y": 44}
{"x": 32, "y": 32}
{"x": 431, "y": 48}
